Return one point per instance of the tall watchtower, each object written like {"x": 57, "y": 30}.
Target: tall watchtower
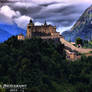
{"x": 29, "y": 29}
{"x": 31, "y": 23}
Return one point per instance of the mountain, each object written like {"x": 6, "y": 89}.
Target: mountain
{"x": 4, "y": 35}
{"x": 82, "y": 28}
{"x": 7, "y": 31}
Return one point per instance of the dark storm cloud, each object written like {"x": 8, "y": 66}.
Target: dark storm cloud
{"x": 64, "y": 16}
{"x": 28, "y": 11}
{"x": 56, "y": 16}
{"x": 47, "y": 4}
{"x": 57, "y": 13}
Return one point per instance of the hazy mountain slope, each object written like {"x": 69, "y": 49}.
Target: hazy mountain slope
{"x": 82, "y": 28}
{"x": 4, "y": 35}
{"x": 7, "y": 31}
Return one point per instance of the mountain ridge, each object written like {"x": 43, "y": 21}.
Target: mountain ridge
{"x": 82, "y": 28}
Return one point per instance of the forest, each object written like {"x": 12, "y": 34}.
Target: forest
{"x": 42, "y": 65}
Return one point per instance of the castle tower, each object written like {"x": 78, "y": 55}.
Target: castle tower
{"x": 45, "y": 24}
{"x": 29, "y": 29}
{"x": 31, "y": 23}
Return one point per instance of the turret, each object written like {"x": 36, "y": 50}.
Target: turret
{"x": 29, "y": 27}
{"x": 45, "y": 24}
{"x": 31, "y": 23}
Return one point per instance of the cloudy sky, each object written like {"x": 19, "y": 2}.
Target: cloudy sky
{"x": 62, "y": 13}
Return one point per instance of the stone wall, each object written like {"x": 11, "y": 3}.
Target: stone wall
{"x": 41, "y": 31}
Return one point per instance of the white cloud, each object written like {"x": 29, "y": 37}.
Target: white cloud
{"x": 7, "y": 15}
{"x": 7, "y": 11}
{"x": 62, "y": 29}
{"x": 23, "y": 4}
{"x": 38, "y": 23}
{"x": 65, "y": 1}
{"x": 22, "y": 21}
{"x": 18, "y": 14}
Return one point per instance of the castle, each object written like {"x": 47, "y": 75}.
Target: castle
{"x": 44, "y": 31}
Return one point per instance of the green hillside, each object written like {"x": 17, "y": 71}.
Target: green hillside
{"x": 41, "y": 64}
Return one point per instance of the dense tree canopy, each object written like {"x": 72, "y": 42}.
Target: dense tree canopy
{"x": 79, "y": 41}
{"x": 41, "y": 64}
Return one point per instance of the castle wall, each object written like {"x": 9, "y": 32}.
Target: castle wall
{"x": 43, "y": 30}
